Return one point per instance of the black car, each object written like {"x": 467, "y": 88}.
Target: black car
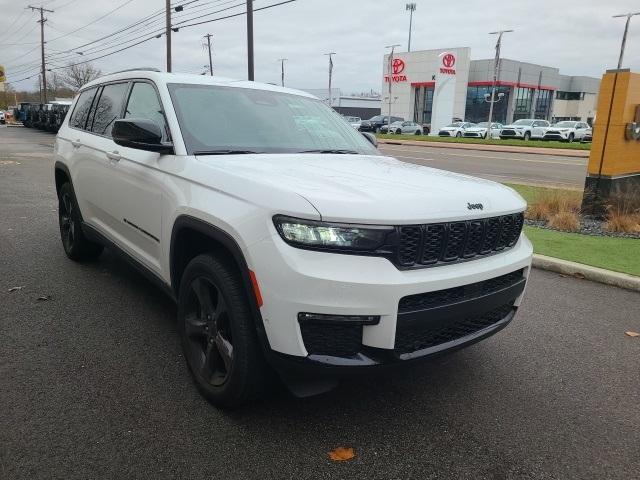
{"x": 374, "y": 123}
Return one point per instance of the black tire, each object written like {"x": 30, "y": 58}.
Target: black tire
{"x": 417, "y": 132}
{"x": 571, "y": 138}
{"x": 398, "y": 132}
{"x": 459, "y": 135}
{"x": 484, "y": 135}
{"x": 75, "y": 244}
{"x": 527, "y": 136}
{"x": 218, "y": 334}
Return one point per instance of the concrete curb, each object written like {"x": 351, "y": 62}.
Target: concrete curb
{"x": 491, "y": 148}
{"x": 595, "y": 274}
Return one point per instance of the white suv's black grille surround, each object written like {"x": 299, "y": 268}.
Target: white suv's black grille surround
{"x": 446, "y": 243}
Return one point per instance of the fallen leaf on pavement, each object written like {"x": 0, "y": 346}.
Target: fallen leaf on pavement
{"x": 633, "y": 334}
{"x": 579, "y": 275}
{"x": 43, "y": 298}
{"x": 13, "y": 289}
{"x": 341, "y": 454}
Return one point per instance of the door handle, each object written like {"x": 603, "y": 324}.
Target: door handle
{"x": 76, "y": 143}
{"x": 114, "y": 156}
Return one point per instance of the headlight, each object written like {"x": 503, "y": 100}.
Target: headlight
{"x": 332, "y": 236}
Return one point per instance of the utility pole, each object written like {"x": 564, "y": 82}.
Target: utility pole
{"x": 390, "y": 79}
{"x": 496, "y": 70}
{"x": 208, "y": 37}
{"x": 249, "y": 40}
{"x": 43, "y": 96}
{"x": 282, "y": 60}
{"x": 330, "y": 54}
{"x": 624, "y": 36}
{"x": 411, "y": 7}
{"x": 168, "y": 33}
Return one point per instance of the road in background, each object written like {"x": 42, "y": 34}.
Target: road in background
{"x": 93, "y": 383}
{"x": 502, "y": 167}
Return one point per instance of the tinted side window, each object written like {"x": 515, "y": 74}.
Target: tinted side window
{"x": 144, "y": 103}
{"x": 81, "y": 111}
{"x": 108, "y": 108}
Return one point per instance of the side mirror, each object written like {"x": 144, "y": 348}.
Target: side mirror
{"x": 141, "y": 134}
{"x": 371, "y": 137}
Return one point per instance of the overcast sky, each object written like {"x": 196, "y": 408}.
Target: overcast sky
{"x": 579, "y": 37}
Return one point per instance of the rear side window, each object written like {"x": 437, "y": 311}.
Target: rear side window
{"x": 144, "y": 103}
{"x": 81, "y": 111}
{"x": 109, "y": 108}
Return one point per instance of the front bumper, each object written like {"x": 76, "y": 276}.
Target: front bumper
{"x": 554, "y": 135}
{"x": 512, "y": 133}
{"x": 292, "y": 281}
{"x": 474, "y": 134}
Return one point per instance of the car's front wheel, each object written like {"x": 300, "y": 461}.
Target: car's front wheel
{"x": 527, "y": 136}
{"x": 459, "y": 134}
{"x": 75, "y": 244}
{"x": 571, "y": 138}
{"x": 218, "y": 333}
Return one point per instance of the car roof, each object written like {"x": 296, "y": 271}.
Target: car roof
{"x": 163, "y": 78}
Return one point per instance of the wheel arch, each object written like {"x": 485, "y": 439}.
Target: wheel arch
{"x": 190, "y": 237}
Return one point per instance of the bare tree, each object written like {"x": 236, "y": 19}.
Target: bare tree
{"x": 75, "y": 76}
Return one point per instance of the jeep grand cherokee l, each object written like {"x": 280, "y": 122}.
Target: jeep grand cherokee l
{"x": 286, "y": 239}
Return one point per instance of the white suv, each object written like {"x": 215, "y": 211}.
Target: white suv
{"x": 525, "y": 129}
{"x": 284, "y": 236}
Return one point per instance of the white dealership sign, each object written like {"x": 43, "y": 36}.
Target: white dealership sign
{"x": 444, "y": 92}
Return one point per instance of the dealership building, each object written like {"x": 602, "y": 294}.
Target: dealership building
{"x": 435, "y": 86}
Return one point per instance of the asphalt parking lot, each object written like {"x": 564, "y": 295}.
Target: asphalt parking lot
{"x": 93, "y": 383}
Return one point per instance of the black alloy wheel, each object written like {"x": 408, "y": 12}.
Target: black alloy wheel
{"x": 75, "y": 244}
{"x": 208, "y": 332}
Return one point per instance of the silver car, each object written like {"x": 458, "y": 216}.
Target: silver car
{"x": 406, "y": 128}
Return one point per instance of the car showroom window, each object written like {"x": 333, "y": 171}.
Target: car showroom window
{"x": 109, "y": 108}
{"x": 81, "y": 110}
{"x": 144, "y": 103}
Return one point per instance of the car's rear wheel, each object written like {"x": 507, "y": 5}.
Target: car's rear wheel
{"x": 75, "y": 244}
{"x": 417, "y": 132}
{"x": 398, "y": 131}
{"x": 218, "y": 334}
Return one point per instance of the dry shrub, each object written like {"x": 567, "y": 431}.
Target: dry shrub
{"x": 550, "y": 202}
{"x": 623, "y": 212}
{"x": 565, "y": 221}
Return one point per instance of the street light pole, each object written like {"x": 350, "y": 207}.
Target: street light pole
{"x": 496, "y": 70}
{"x": 390, "y": 78}
{"x": 411, "y": 7}
{"x": 43, "y": 94}
{"x": 330, "y": 54}
{"x": 624, "y": 36}
{"x": 282, "y": 60}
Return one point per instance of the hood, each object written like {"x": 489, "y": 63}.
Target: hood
{"x": 477, "y": 129}
{"x": 448, "y": 129}
{"x": 371, "y": 189}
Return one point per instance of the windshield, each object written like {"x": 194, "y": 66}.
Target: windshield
{"x": 565, "y": 124}
{"x": 219, "y": 118}
{"x": 523, "y": 122}
{"x": 377, "y": 118}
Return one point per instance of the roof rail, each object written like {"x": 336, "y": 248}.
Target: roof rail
{"x": 139, "y": 69}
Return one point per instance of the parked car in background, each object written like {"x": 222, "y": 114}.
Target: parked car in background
{"x": 2, "y": 118}
{"x": 20, "y": 112}
{"x": 525, "y": 129}
{"x": 480, "y": 130}
{"x": 566, "y": 131}
{"x": 455, "y": 129}
{"x": 354, "y": 122}
{"x": 56, "y": 115}
{"x": 588, "y": 135}
{"x": 408, "y": 128}
{"x": 374, "y": 124}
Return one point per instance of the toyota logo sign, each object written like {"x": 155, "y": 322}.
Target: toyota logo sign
{"x": 397, "y": 66}
{"x": 449, "y": 60}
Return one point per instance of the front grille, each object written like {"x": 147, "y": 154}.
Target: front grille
{"x": 443, "y": 243}
{"x": 444, "y": 134}
{"x": 412, "y": 338}
{"x": 332, "y": 340}
{"x": 507, "y": 132}
{"x": 441, "y": 298}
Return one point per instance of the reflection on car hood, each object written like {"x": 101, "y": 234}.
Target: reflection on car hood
{"x": 367, "y": 188}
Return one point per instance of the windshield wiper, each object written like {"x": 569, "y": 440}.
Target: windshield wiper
{"x": 224, "y": 152}
{"x": 332, "y": 151}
